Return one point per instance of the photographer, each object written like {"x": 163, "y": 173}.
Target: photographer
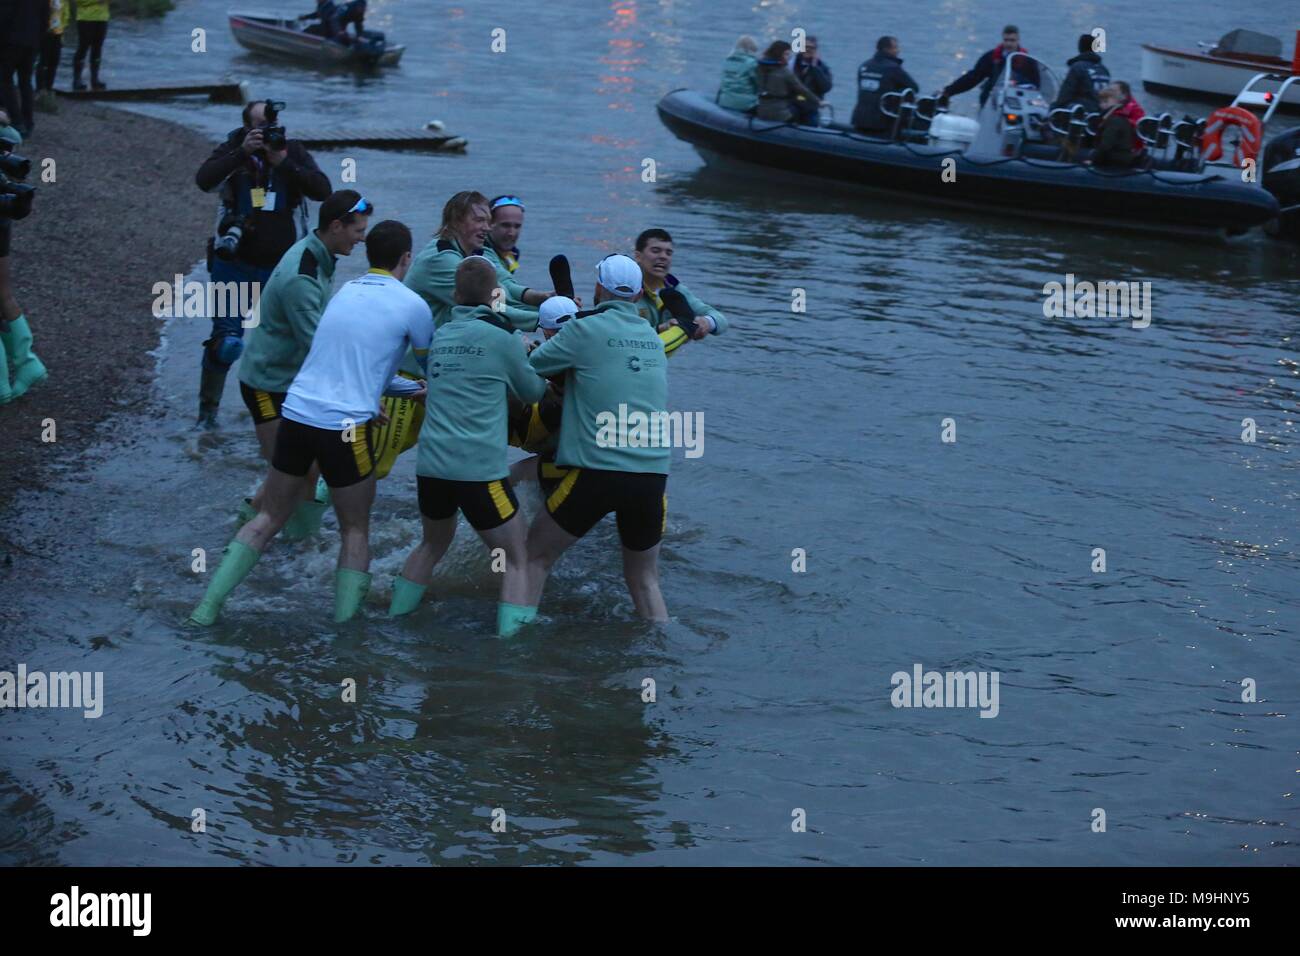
{"x": 15, "y": 333}
{"x": 265, "y": 181}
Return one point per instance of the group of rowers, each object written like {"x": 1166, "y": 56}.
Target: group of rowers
{"x": 775, "y": 87}
{"x": 426, "y": 350}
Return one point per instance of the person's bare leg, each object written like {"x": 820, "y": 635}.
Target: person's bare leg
{"x": 280, "y": 495}
{"x": 352, "y": 577}
{"x": 352, "y": 507}
{"x": 419, "y": 565}
{"x": 546, "y": 542}
{"x": 512, "y": 538}
{"x": 641, "y": 572}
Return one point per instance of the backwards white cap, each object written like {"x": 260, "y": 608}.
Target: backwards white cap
{"x": 620, "y": 275}
{"x": 554, "y": 311}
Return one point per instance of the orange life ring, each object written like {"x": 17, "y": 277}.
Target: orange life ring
{"x": 1252, "y": 134}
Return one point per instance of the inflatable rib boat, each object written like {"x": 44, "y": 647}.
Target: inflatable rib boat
{"x": 1009, "y": 161}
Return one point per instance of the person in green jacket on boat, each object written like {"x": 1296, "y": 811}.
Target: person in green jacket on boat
{"x": 464, "y": 232}
{"x": 739, "y": 89}
{"x": 288, "y": 311}
{"x": 476, "y": 358}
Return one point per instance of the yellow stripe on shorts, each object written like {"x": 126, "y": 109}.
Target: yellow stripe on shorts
{"x": 499, "y": 498}
{"x": 361, "y": 451}
{"x": 562, "y": 492}
{"x": 663, "y": 525}
{"x": 264, "y": 404}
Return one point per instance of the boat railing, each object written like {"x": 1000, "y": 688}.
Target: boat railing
{"x": 1267, "y": 100}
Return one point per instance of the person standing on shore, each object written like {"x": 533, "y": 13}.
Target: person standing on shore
{"x": 476, "y": 357}
{"x": 464, "y": 231}
{"x": 291, "y": 307}
{"x": 92, "y": 27}
{"x": 363, "y": 335}
{"x": 264, "y": 194}
{"x": 15, "y": 333}
{"x": 22, "y": 23}
{"x": 47, "y": 68}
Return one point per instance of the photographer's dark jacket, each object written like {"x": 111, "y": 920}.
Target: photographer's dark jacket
{"x": 294, "y": 180}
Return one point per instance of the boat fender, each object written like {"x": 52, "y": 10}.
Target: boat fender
{"x": 1252, "y": 134}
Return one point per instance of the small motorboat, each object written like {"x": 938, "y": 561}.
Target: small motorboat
{"x": 289, "y": 37}
{"x": 1216, "y": 71}
{"x": 1020, "y": 157}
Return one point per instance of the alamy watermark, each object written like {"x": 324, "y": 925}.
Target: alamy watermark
{"x": 214, "y": 300}
{"x": 946, "y": 689}
{"x": 637, "y": 429}
{"x": 81, "y": 690}
{"x": 1091, "y": 300}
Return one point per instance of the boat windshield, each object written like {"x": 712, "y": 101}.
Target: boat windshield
{"x": 1021, "y": 74}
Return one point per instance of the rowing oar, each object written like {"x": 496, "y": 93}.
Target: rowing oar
{"x": 676, "y": 303}
{"x": 561, "y": 277}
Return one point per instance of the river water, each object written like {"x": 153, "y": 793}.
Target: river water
{"x": 1119, "y": 690}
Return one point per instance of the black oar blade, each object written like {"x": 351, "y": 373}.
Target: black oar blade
{"x": 676, "y": 303}
{"x": 561, "y": 277}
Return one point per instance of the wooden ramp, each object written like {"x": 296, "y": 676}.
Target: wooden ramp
{"x": 216, "y": 92}
{"x": 434, "y": 139}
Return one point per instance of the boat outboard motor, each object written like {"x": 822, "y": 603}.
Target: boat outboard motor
{"x": 1282, "y": 179}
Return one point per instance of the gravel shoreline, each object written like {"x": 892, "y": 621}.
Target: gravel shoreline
{"x": 122, "y": 214}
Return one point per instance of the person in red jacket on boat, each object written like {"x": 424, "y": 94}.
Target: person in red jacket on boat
{"x": 1024, "y": 71}
{"x": 1118, "y": 143}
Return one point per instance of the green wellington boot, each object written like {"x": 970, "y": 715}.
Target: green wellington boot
{"x": 512, "y": 617}
{"x": 28, "y": 369}
{"x": 306, "y": 518}
{"x": 6, "y": 393}
{"x": 238, "y": 561}
{"x": 406, "y": 596}
{"x": 350, "y": 589}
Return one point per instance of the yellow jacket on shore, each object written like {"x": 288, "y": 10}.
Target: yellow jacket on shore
{"x": 92, "y": 11}
{"x": 58, "y": 17}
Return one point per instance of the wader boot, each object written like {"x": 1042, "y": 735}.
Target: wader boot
{"x": 95, "y": 83}
{"x": 211, "y": 385}
{"x": 78, "y": 69}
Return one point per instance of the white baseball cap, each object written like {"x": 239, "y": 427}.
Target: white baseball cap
{"x": 620, "y": 275}
{"x": 554, "y": 311}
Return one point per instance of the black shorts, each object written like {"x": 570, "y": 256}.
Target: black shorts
{"x": 487, "y": 504}
{"x": 5, "y": 228}
{"x": 263, "y": 406}
{"x": 342, "y": 463}
{"x": 549, "y": 475}
{"x": 637, "y": 499}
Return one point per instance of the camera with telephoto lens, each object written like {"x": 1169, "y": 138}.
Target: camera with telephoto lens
{"x": 230, "y": 233}
{"x": 15, "y": 197}
{"x": 273, "y": 137}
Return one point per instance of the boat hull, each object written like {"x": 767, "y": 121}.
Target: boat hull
{"x": 274, "y": 36}
{"x": 1198, "y": 76}
{"x": 1167, "y": 202}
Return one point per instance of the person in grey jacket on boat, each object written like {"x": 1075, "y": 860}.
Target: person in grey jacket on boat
{"x": 781, "y": 96}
